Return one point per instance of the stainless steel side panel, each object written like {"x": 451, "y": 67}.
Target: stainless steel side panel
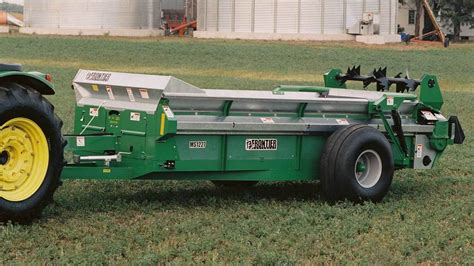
{"x": 354, "y": 102}
{"x": 124, "y": 91}
{"x": 279, "y": 125}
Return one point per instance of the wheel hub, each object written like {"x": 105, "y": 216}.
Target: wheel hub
{"x": 360, "y": 168}
{"x": 368, "y": 168}
{"x": 4, "y": 156}
{"x": 24, "y": 159}
{"x": 16, "y": 160}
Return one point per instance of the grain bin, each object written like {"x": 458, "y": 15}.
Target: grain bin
{"x": 91, "y": 17}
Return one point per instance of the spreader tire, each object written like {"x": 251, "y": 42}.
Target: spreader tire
{"x": 31, "y": 153}
{"x": 357, "y": 164}
{"x": 235, "y": 184}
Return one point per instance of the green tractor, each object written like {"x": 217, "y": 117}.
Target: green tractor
{"x": 31, "y": 144}
{"x": 132, "y": 126}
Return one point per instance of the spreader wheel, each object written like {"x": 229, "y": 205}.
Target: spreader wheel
{"x": 357, "y": 164}
{"x": 31, "y": 153}
{"x": 235, "y": 184}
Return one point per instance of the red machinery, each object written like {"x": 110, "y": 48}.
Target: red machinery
{"x": 174, "y": 25}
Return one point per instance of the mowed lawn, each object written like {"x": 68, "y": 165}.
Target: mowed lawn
{"x": 427, "y": 216}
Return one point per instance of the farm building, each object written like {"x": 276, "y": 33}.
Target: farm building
{"x": 372, "y": 21}
{"x": 93, "y": 17}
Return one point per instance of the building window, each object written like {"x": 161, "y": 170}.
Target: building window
{"x": 411, "y": 16}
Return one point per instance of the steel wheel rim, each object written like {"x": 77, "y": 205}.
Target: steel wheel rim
{"x": 24, "y": 159}
{"x": 368, "y": 168}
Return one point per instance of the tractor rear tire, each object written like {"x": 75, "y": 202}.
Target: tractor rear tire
{"x": 235, "y": 184}
{"x": 31, "y": 153}
{"x": 357, "y": 164}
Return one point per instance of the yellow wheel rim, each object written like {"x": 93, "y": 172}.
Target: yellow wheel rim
{"x": 24, "y": 158}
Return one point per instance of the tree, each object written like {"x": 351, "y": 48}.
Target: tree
{"x": 420, "y": 10}
{"x": 456, "y": 13}
{"x": 11, "y": 7}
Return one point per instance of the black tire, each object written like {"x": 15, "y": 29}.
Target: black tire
{"x": 18, "y": 101}
{"x": 446, "y": 42}
{"x": 235, "y": 184}
{"x": 352, "y": 147}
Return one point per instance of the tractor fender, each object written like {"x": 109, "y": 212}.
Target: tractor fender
{"x": 34, "y": 80}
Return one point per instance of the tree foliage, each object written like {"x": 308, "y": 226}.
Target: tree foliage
{"x": 11, "y": 7}
{"x": 456, "y": 13}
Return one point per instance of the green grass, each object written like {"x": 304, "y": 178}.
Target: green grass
{"x": 426, "y": 217}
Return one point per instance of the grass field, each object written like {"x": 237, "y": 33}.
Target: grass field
{"x": 427, "y": 216}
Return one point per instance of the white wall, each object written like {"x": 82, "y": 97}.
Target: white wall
{"x": 403, "y": 14}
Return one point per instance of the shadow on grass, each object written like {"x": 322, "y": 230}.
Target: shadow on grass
{"x": 186, "y": 193}
{"x": 172, "y": 195}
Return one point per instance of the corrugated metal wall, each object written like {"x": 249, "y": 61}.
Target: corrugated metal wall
{"x": 264, "y": 16}
{"x": 333, "y": 17}
{"x": 93, "y": 14}
{"x": 242, "y": 16}
{"x": 311, "y": 16}
{"x": 225, "y": 22}
{"x": 292, "y": 16}
{"x": 287, "y": 16}
{"x": 354, "y": 11}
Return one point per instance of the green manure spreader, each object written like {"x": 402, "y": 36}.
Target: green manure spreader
{"x": 131, "y": 126}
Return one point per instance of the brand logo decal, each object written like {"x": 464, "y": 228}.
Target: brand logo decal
{"x": 261, "y": 144}
{"x": 98, "y": 76}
